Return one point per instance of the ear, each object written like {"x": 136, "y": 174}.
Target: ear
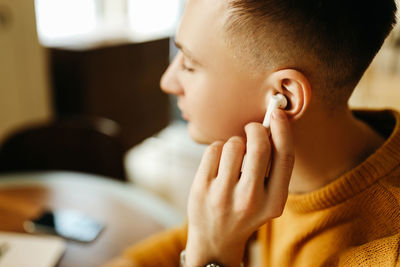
{"x": 295, "y": 87}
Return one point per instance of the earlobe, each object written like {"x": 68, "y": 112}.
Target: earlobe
{"x": 296, "y": 88}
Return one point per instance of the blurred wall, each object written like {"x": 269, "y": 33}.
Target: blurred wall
{"x": 380, "y": 86}
{"x": 24, "y": 90}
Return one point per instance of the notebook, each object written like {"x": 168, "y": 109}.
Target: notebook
{"x": 24, "y": 250}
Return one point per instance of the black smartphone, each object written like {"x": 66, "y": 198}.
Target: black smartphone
{"x": 72, "y": 225}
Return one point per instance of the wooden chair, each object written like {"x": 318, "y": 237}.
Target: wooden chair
{"x": 89, "y": 145}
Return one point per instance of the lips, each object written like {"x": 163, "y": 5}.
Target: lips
{"x": 183, "y": 113}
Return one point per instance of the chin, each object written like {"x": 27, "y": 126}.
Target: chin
{"x": 198, "y": 136}
{"x": 202, "y": 137}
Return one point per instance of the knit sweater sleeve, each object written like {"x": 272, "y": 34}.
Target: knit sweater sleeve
{"x": 160, "y": 250}
{"x": 382, "y": 252}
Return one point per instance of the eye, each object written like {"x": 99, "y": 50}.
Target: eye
{"x": 185, "y": 67}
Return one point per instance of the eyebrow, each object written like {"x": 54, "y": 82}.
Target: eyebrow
{"x": 186, "y": 52}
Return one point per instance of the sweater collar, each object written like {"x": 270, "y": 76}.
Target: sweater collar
{"x": 378, "y": 165}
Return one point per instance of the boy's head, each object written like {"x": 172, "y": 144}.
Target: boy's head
{"x": 234, "y": 53}
{"x": 332, "y": 42}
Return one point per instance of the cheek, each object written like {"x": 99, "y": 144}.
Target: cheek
{"x": 219, "y": 112}
{"x": 208, "y": 113}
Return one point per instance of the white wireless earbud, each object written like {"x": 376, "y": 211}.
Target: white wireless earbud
{"x": 277, "y": 101}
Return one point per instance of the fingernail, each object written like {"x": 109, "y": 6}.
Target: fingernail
{"x": 279, "y": 114}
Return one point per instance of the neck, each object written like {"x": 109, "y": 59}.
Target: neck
{"x": 327, "y": 146}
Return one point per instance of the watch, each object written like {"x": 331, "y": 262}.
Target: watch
{"x": 183, "y": 261}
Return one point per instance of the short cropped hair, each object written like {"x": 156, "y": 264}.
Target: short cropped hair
{"x": 331, "y": 41}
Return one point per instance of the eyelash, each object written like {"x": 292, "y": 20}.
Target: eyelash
{"x": 186, "y": 68}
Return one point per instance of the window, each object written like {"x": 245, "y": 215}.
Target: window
{"x": 64, "y": 22}
{"x": 65, "y": 18}
{"x": 153, "y": 16}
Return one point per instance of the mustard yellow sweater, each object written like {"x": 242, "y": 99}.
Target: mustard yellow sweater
{"x": 353, "y": 221}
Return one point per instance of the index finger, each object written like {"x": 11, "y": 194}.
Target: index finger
{"x": 258, "y": 151}
{"x": 283, "y": 159}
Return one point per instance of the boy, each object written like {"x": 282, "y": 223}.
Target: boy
{"x": 338, "y": 203}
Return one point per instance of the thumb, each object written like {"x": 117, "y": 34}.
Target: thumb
{"x": 282, "y": 159}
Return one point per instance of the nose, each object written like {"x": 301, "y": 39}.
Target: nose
{"x": 169, "y": 81}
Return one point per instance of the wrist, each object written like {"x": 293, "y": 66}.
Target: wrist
{"x": 200, "y": 253}
{"x": 183, "y": 262}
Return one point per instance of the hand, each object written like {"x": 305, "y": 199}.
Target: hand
{"x": 223, "y": 209}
